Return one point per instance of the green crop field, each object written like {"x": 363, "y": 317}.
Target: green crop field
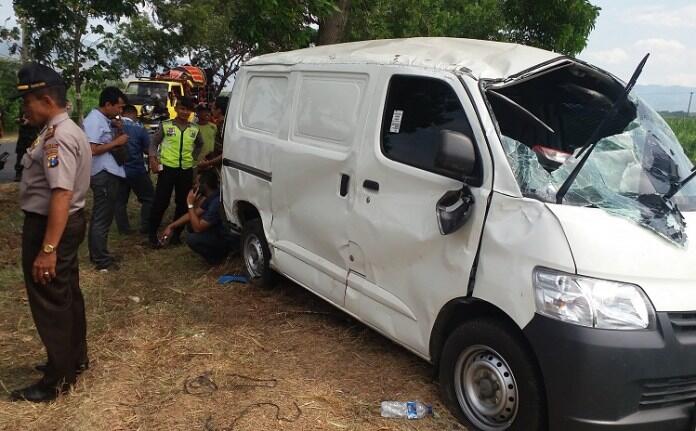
{"x": 685, "y": 129}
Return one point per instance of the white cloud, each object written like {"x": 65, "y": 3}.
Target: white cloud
{"x": 661, "y": 46}
{"x": 611, "y": 56}
{"x": 663, "y": 16}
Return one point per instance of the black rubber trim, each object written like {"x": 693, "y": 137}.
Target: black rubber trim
{"x": 268, "y": 176}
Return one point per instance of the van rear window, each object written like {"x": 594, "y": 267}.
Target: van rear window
{"x": 417, "y": 109}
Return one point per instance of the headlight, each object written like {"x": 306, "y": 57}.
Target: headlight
{"x": 591, "y": 302}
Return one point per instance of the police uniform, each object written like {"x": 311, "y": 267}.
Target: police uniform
{"x": 60, "y": 158}
{"x": 178, "y": 148}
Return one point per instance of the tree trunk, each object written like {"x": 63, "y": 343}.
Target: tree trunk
{"x": 77, "y": 80}
{"x": 332, "y": 27}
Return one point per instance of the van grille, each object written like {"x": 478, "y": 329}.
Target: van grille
{"x": 683, "y": 322}
{"x": 663, "y": 392}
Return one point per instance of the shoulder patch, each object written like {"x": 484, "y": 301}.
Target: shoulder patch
{"x": 50, "y": 132}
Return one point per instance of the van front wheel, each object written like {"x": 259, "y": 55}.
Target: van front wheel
{"x": 256, "y": 254}
{"x": 489, "y": 379}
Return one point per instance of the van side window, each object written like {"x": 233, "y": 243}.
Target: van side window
{"x": 264, "y": 103}
{"x": 417, "y": 109}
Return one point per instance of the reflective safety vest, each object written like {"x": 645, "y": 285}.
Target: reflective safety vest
{"x": 176, "y": 149}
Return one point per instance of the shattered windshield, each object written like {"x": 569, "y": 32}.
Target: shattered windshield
{"x": 627, "y": 175}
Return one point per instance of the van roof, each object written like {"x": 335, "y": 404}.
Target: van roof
{"x": 484, "y": 59}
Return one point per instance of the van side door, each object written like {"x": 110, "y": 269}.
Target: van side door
{"x": 402, "y": 268}
{"x": 313, "y": 174}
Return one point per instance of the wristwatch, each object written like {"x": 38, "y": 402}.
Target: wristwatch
{"x": 48, "y": 248}
{"x": 190, "y": 206}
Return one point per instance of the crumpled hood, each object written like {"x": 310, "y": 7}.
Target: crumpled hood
{"x": 614, "y": 248}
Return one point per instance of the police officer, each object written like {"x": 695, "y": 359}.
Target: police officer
{"x": 175, "y": 146}
{"x": 52, "y": 195}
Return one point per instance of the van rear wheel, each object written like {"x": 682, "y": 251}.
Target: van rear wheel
{"x": 256, "y": 254}
{"x": 490, "y": 380}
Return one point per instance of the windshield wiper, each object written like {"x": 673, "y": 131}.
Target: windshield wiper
{"x": 680, "y": 185}
{"x": 594, "y": 138}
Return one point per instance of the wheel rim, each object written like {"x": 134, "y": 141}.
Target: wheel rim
{"x": 486, "y": 388}
{"x": 253, "y": 256}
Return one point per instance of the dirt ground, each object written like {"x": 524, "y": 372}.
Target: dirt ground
{"x": 171, "y": 349}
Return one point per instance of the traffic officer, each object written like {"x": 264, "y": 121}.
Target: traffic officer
{"x": 52, "y": 195}
{"x": 175, "y": 146}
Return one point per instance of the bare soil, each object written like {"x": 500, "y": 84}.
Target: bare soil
{"x": 171, "y": 349}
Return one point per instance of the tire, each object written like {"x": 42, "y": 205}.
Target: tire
{"x": 256, "y": 255}
{"x": 509, "y": 393}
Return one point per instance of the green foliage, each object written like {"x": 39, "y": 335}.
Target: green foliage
{"x": 213, "y": 34}
{"x": 8, "y": 87}
{"x": 560, "y": 25}
{"x": 58, "y": 36}
{"x": 685, "y": 129}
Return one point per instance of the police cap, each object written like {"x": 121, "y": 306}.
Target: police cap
{"x": 34, "y": 76}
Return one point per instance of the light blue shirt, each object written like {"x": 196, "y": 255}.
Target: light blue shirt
{"x": 98, "y": 130}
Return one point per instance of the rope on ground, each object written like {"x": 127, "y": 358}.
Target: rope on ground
{"x": 204, "y": 385}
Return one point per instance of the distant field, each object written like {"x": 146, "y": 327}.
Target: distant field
{"x": 685, "y": 129}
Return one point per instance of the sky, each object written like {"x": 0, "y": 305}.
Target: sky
{"x": 625, "y": 31}
{"x": 628, "y": 29}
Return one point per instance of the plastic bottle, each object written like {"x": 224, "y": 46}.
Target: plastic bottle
{"x": 407, "y": 410}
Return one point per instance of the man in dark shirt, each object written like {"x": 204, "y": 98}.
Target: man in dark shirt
{"x": 206, "y": 233}
{"x": 137, "y": 178}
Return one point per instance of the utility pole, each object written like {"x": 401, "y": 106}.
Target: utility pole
{"x": 25, "y": 50}
{"x": 688, "y": 110}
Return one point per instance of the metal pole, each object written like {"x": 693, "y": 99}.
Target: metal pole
{"x": 688, "y": 110}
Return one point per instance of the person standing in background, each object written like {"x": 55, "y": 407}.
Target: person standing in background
{"x": 137, "y": 178}
{"x": 52, "y": 195}
{"x": 214, "y": 159}
{"x": 176, "y": 146}
{"x": 25, "y": 136}
{"x": 107, "y": 173}
{"x": 208, "y": 131}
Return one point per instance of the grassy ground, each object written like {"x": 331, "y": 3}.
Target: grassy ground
{"x": 685, "y": 129}
{"x": 162, "y": 332}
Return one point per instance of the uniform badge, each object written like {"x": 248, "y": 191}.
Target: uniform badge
{"x": 51, "y": 151}
{"x": 170, "y": 131}
{"x": 192, "y": 134}
{"x": 52, "y": 161}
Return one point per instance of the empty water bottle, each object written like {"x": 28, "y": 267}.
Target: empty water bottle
{"x": 407, "y": 410}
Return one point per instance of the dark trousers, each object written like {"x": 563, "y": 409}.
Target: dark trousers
{"x": 58, "y": 307}
{"x": 141, "y": 185}
{"x": 105, "y": 188}
{"x": 170, "y": 179}
{"x": 213, "y": 245}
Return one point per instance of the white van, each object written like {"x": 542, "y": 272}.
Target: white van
{"x": 504, "y": 212}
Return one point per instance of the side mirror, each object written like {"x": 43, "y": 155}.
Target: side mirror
{"x": 457, "y": 154}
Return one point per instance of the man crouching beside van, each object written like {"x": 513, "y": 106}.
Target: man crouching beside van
{"x": 206, "y": 234}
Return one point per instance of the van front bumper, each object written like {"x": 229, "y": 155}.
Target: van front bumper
{"x": 618, "y": 380}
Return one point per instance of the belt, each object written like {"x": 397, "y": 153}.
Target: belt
{"x": 29, "y": 214}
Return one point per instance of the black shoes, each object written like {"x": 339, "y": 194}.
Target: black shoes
{"x": 39, "y": 393}
{"x": 81, "y": 368}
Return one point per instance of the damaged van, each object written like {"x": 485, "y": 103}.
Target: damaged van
{"x": 515, "y": 217}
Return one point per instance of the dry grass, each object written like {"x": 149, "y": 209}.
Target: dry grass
{"x": 304, "y": 352}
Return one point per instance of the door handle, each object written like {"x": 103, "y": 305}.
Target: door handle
{"x": 345, "y": 182}
{"x": 371, "y": 185}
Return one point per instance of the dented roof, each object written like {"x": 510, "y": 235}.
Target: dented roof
{"x": 484, "y": 59}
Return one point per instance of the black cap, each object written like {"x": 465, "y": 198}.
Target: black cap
{"x": 34, "y": 76}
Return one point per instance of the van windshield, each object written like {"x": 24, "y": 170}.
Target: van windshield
{"x": 141, "y": 93}
{"x": 633, "y": 167}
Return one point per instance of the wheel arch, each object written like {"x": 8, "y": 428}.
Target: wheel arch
{"x": 246, "y": 211}
{"x": 460, "y": 310}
